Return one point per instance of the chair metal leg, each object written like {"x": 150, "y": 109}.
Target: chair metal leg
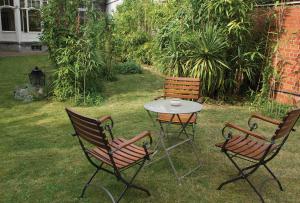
{"x": 88, "y": 183}
{"x": 128, "y": 184}
{"x": 248, "y": 168}
{"x": 90, "y": 180}
{"x": 229, "y": 181}
{"x": 187, "y": 135}
{"x": 273, "y": 175}
{"x": 122, "y": 193}
{"x": 193, "y": 127}
{"x": 184, "y": 125}
{"x": 184, "y": 131}
{"x": 140, "y": 188}
{"x": 255, "y": 190}
{"x": 243, "y": 176}
{"x": 134, "y": 176}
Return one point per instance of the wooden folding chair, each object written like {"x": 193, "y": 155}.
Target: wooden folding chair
{"x": 256, "y": 148}
{"x": 181, "y": 88}
{"x": 117, "y": 153}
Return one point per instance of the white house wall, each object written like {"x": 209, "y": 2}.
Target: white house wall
{"x": 8, "y": 36}
{"x": 30, "y": 37}
{"x": 112, "y": 5}
{"x": 17, "y": 38}
{"x": 11, "y": 36}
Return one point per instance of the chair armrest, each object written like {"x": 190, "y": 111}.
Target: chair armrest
{"x": 106, "y": 118}
{"x": 248, "y": 132}
{"x": 136, "y": 138}
{"x": 107, "y": 127}
{"x": 159, "y": 97}
{"x": 264, "y": 118}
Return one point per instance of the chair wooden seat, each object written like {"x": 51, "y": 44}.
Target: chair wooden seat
{"x": 254, "y": 147}
{"x": 183, "y": 117}
{"x": 123, "y": 158}
{"x": 247, "y": 147}
{"x": 116, "y": 153}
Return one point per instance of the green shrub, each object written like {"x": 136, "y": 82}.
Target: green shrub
{"x": 133, "y": 30}
{"x": 73, "y": 46}
{"x": 268, "y": 106}
{"x": 91, "y": 99}
{"x": 212, "y": 40}
{"x": 128, "y": 67}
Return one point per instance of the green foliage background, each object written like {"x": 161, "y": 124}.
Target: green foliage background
{"x": 73, "y": 47}
{"x": 213, "y": 40}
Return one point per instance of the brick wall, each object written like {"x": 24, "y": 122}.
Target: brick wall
{"x": 287, "y": 60}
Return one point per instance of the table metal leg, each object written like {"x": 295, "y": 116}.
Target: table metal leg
{"x": 166, "y": 150}
{"x": 184, "y": 125}
{"x": 153, "y": 121}
{"x": 156, "y": 147}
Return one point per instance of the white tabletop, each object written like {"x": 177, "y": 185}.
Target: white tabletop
{"x": 164, "y": 106}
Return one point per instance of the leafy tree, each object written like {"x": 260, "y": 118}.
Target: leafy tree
{"x": 72, "y": 39}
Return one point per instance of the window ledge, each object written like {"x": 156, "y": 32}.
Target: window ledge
{"x": 7, "y": 6}
{"x": 8, "y": 31}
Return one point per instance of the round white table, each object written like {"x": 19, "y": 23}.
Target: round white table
{"x": 165, "y": 106}
{"x": 175, "y": 107}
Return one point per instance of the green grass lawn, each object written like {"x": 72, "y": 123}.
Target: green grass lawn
{"x": 41, "y": 162}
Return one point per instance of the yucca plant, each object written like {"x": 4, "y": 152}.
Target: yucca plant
{"x": 205, "y": 52}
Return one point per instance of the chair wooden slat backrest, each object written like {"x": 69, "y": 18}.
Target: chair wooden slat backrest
{"x": 88, "y": 129}
{"x": 182, "y": 88}
{"x": 119, "y": 154}
{"x": 287, "y": 124}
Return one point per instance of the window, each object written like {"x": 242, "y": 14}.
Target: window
{"x": 22, "y": 3}
{"x": 81, "y": 15}
{"x": 24, "y": 20}
{"x": 34, "y": 4}
{"x": 100, "y": 5}
{"x": 7, "y": 19}
{"x": 34, "y": 18}
{"x": 30, "y": 15}
{"x": 6, "y": 2}
{"x": 31, "y": 3}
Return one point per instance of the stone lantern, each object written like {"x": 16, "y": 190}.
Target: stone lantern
{"x": 37, "y": 77}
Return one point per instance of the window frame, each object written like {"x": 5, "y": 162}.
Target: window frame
{"x": 28, "y": 21}
{"x": 7, "y": 5}
{"x": 26, "y": 8}
{"x": 13, "y": 8}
